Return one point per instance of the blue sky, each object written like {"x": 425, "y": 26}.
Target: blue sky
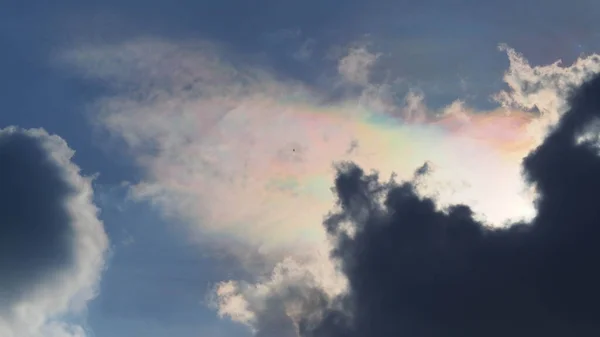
{"x": 158, "y": 274}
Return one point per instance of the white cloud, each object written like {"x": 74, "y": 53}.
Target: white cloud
{"x": 66, "y": 290}
{"x": 279, "y": 301}
{"x": 356, "y": 66}
{"x": 543, "y": 88}
{"x": 246, "y": 159}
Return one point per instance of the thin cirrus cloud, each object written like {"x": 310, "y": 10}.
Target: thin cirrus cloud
{"x": 247, "y": 159}
{"x": 53, "y": 246}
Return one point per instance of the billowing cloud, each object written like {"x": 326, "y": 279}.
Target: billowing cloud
{"x": 246, "y": 158}
{"x": 416, "y": 271}
{"x": 53, "y": 245}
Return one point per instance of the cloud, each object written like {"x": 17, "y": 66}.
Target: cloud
{"x": 209, "y": 134}
{"x": 416, "y": 271}
{"x": 355, "y": 67}
{"x": 274, "y": 304}
{"x": 246, "y": 159}
{"x": 543, "y": 88}
{"x": 53, "y": 245}
{"x": 332, "y": 307}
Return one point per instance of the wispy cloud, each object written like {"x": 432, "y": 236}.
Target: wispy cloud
{"x": 355, "y": 67}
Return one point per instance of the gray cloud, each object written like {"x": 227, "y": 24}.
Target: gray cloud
{"x": 52, "y": 245}
{"x": 36, "y": 237}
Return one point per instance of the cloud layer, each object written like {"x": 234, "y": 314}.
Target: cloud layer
{"x": 246, "y": 158}
{"x": 53, "y": 245}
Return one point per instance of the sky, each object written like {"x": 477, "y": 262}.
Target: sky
{"x": 299, "y": 169}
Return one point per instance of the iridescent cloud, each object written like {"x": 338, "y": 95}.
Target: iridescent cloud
{"x": 247, "y": 159}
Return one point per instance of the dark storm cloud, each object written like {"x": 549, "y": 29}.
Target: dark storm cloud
{"x": 418, "y": 272}
{"x": 36, "y": 233}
